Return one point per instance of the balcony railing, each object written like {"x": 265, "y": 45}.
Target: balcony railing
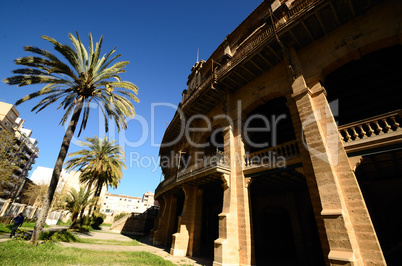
{"x": 256, "y": 41}
{"x": 268, "y": 157}
{"x": 27, "y": 142}
{"x": 386, "y": 124}
{"x": 213, "y": 162}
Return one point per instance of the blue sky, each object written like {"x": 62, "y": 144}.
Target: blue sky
{"x": 159, "y": 38}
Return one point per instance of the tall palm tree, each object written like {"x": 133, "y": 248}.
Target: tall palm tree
{"x": 100, "y": 163}
{"x": 86, "y": 78}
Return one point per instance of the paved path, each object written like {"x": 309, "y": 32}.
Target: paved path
{"x": 105, "y": 235}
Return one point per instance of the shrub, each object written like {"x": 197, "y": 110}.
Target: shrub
{"x": 63, "y": 236}
{"x": 97, "y": 222}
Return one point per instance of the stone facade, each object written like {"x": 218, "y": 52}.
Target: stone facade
{"x": 286, "y": 148}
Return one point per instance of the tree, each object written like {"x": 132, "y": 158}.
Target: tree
{"x": 76, "y": 202}
{"x": 100, "y": 156}
{"x": 100, "y": 163}
{"x": 86, "y": 78}
{"x": 35, "y": 194}
{"x": 7, "y": 155}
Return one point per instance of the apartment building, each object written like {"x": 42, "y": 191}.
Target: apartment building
{"x": 26, "y": 150}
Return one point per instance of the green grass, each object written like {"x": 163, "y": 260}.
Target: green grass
{"x": 106, "y": 225}
{"x": 31, "y": 225}
{"x": 5, "y": 228}
{"x": 49, "y": 253}
{"x": 109, "y": 242}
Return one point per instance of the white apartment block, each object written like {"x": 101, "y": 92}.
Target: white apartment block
{"x": 115, "y": 204}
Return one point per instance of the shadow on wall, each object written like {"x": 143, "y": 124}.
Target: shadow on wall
{"x": 136, "y": 224}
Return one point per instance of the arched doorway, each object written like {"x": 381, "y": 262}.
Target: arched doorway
{"x": 283, "y": 222}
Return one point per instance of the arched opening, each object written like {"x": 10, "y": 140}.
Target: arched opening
{"x": 215, "y": 142}
{"x": 366, "y": 87}
{"x": 283, "y": 222}
{"x": 380, "y": 180}
{"x": 268, "y": 125}
{"x": 212, "y": 199}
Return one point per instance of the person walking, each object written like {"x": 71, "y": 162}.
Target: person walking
{"x": 18, "y": 221}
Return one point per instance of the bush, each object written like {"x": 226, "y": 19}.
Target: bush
{"x": 69, "y": 222}
{"x": 63, "y": 236}
{"x": 97, "y": 222}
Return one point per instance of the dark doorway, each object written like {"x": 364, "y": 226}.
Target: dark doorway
{"x": 380, "y": 180}
{"x": 276, "y": 232}
{"x": 283, "y": 222}
{"x": 179, "y": 209}
{"x": 212, "y": 199}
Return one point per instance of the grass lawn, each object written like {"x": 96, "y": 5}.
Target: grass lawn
{"x": 4, "y": 228}
{"x": 49, "y": 253}
{"x": 109, "y": 242}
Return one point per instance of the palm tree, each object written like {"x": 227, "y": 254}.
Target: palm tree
{"x": 76, "y": 202}
{"x": 91, "y": 79}
{"x": 100, "y": 163}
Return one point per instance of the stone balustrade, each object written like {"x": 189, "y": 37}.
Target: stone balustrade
{"x": 219, "y": 159}
{"x": 287, "y": 150}
{"x": 369, "y": 128}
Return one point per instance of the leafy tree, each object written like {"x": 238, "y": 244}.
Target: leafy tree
{"x": 86, "y": 78}
{"x": 35, "y": 194}
{"x": 7, "y": 155}
{"x": 76, "y": 202}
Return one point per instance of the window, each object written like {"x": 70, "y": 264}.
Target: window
{"x": 129, "y": 200}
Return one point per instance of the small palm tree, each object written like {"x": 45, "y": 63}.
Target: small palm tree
{"x": 76, "y": 202}
{"x": 86, "y": 78}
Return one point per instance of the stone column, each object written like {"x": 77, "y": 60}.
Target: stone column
{"x": 183, "y": 240}
{"x": 226, "y": 251}
{"x": 166, "y": 216}
{"x": 350, "y": 233}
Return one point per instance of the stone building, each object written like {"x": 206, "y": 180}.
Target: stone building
{"x": 286, "y": 148}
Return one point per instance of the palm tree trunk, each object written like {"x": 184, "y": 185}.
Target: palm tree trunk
{"x": 97, "y": 195}
{"x": 89, "y": 189}
{"x": 57, "y": 171}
